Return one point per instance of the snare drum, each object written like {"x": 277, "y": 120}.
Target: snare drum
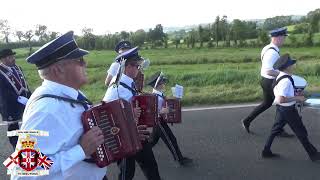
{"x": 313, "y": 103}
{"x": 299, "y": 82}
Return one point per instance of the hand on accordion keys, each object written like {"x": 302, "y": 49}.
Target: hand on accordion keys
{"x": 91, "y": 140}
{"x": 144, "y": 133}
{"x": 164, "y": 110}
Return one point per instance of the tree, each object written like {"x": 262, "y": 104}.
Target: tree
{"x": 192, "y": 38}
{"x": 263, "y": 37}
{"x": 238, "y": 31}
{"x": 201, "y": 34}
{"x": 217, "y": 30}
{"x": 177, "y": 41}
{"x": 277, "y": 22}
{"x": 224, "y": 29}
{"x": 139, "y": 37}
{"x": 314, "y": 20}
{"x": 88, "y": 38}
{"x": 19, "y": 35}
{"x": 156, "y": 35}
{"x": 53, "y": 35}
{"x": 28, "y": 36}
{"x": 40, "y": 31}
{"x": 5, "y": 30}
{"x": 124, "y": 35}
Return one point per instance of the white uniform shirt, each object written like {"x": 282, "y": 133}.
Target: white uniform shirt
{"x": 113, "y": 69}
{"x": 114, "y": 92}
{"x": 160, "y": 99}
{"x": 65, "y": 128}
{"x": 268, "y": 58}
{"x": 284, "y": 88}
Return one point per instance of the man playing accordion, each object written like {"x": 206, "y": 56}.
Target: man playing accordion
{"x": 123, "y": 87}
{"x": 162, "y": 130}
{"x": 61, "y": 65}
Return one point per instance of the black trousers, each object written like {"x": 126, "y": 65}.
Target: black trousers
{"x": 268, "y": 98}
{"x": 291, "y": 116}
{"x": 163, "y": 131}
{"x": 146, "y": 160}
{"x": 13, "y": 139}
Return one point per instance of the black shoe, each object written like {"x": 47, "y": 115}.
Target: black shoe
{"x": 245, "y": 125}
{"x": 185, "y": 161}
{"x": 269, "y": 154}
{"x": 315, "y": 157}
{"x": 284, "y": 134}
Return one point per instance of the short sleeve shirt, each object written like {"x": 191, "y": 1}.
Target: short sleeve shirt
{"x": 268, "y": 57}
{"x": 284, "y": 88}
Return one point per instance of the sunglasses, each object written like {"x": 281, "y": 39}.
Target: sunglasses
{"x": 80, "y": 61}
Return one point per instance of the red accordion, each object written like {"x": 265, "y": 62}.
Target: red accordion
{"x": 174, "y": 115}
{"x": 149, "y": 108}
{"x": 139, "y": 80}
{"x": 116, "y": 121}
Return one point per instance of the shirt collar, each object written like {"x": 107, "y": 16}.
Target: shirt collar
{"x": 276, "y": 47}
{"x": 62, "y": 89}
{"x": 281, "y": 73}
{"x": 126, "y": 79}
{"x": 157, "y": 92}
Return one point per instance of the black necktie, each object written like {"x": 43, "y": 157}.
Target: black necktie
{"x": 133, "y": 86}
{"x": 83, "y": 99}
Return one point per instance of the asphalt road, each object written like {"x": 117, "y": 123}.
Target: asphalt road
{"x": 222, "y": 150}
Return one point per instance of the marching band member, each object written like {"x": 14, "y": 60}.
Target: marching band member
{"x": 14, "y": 92}
{"x": 126, "y": 90}
{"x": 61, "y": 65}
{"x": 162, "y": 130}
{"x": 121, "y": 47}
{"x": 269, "y": 55}
{"x": 286, "y": 99}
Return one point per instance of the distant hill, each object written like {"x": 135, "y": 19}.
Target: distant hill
{"x": 187, "y": 28}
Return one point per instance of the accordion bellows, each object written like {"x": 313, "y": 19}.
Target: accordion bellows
{"x": 116, "y": 121}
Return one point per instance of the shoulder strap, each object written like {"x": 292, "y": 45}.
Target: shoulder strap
{"x": 160, "y": 95}
{"x": 133, "y": 91}
{"x": 283, "y": 77}
{"x": 71, "y": 101}
{"x": 268, "y": 49}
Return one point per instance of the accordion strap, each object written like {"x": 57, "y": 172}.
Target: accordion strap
{"x": 71, "y": 101}
{"x": 133, "y": 91}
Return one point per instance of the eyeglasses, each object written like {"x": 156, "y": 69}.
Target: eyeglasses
{"x": 80, "y": 61}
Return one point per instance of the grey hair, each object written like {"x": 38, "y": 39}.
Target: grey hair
{"x": 45, "y": 72}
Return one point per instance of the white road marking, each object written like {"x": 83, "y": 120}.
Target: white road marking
{"x": 219, "y": 107}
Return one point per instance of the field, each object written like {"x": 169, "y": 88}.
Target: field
{"x": 209, "y": 76}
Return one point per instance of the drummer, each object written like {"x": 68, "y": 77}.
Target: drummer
{"x": 286, "y": 99}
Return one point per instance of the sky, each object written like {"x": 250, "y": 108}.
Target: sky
{"x": 109, "y": 16}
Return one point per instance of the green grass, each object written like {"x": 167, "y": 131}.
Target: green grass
{"x": 209, "y": 76}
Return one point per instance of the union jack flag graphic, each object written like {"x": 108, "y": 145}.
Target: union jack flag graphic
{"x": 44, "y": 161}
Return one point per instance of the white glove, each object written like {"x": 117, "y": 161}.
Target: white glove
{"x": 22, "y": 100}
